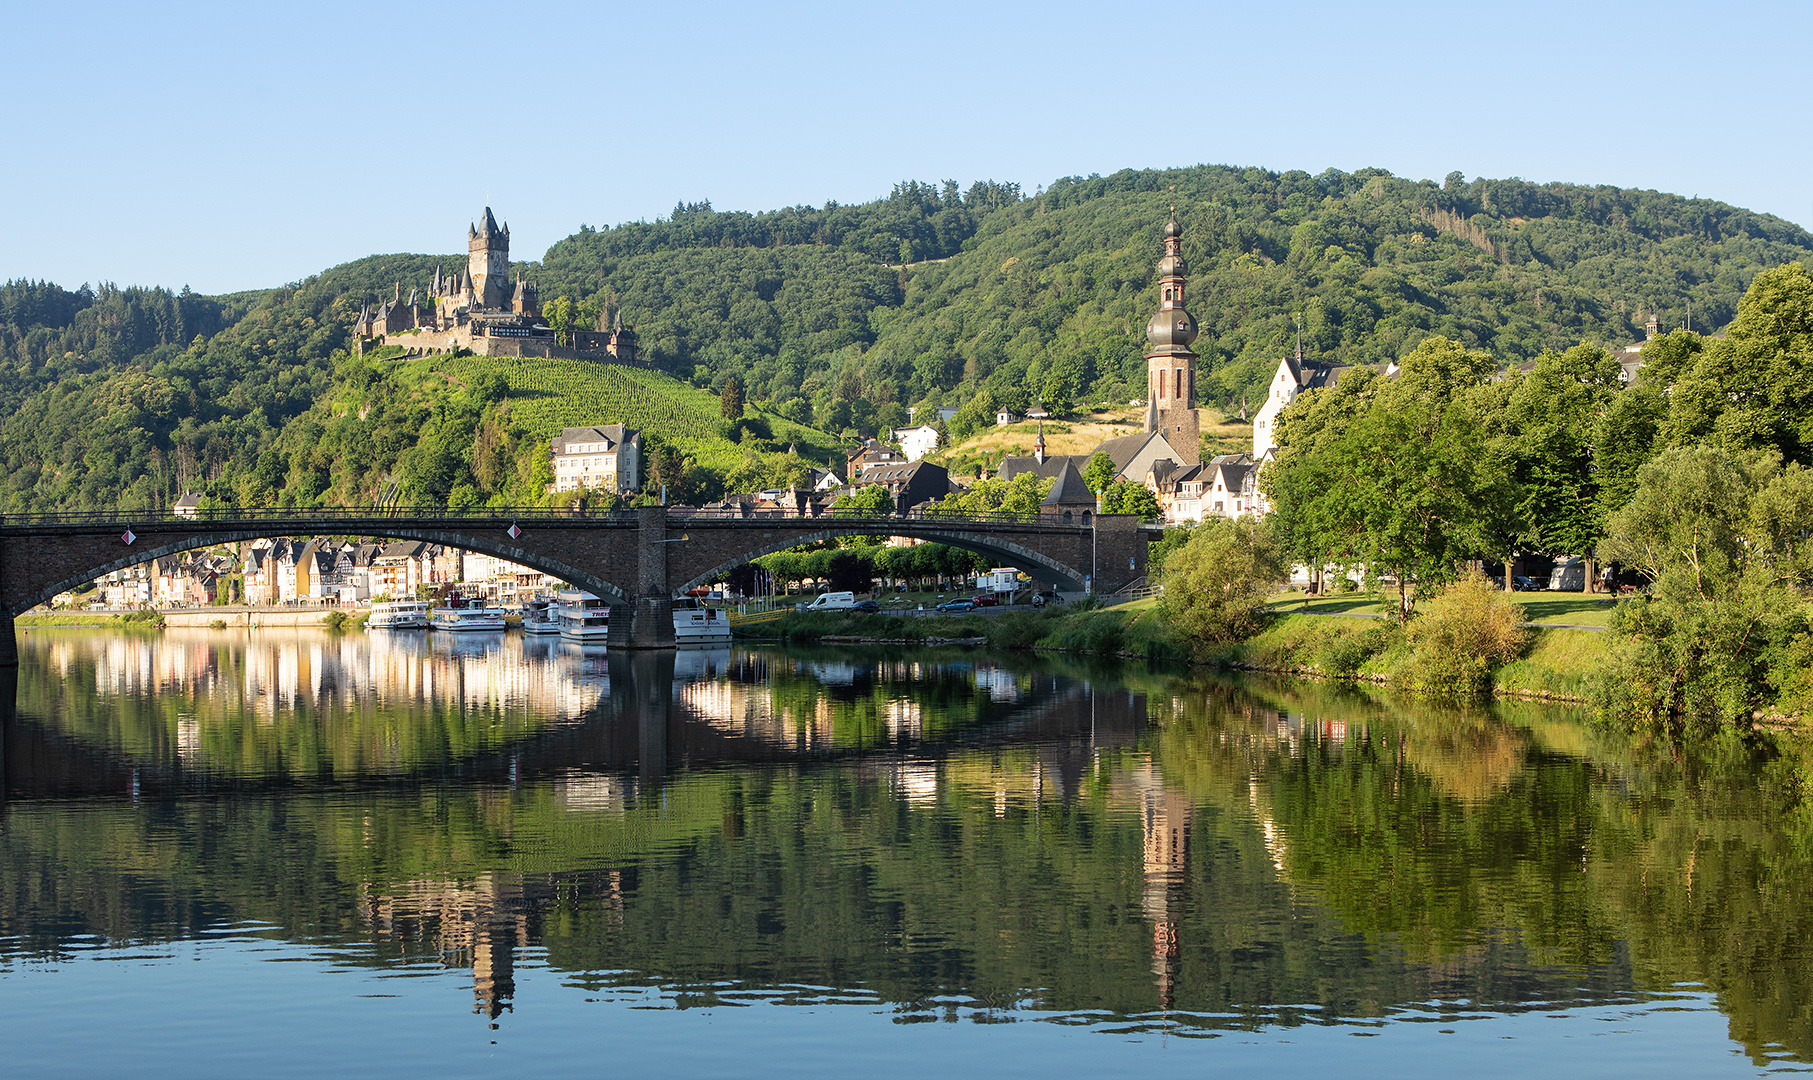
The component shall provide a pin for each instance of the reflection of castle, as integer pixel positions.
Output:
(481, 312)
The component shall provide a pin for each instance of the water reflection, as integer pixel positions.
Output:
(946, 834)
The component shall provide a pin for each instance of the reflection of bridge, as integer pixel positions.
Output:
(638, 559)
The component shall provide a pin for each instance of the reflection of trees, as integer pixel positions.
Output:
(1451, 835)
(1263, 855)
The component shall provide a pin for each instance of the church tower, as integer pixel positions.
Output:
(1170, 365)
(488, 263)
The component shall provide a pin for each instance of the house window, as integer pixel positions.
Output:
(1066, 517)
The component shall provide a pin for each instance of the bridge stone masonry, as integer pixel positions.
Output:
(639, 560)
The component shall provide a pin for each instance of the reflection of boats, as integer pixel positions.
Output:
(699, 626)
(398, 615)
(704, 662)
(584, 618)
(540, 616)
(464, 614)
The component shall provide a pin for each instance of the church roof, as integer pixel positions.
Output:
(1123, 450)
(1069, 489)
(1051, 468)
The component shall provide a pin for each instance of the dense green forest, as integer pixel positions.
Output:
(836, 318)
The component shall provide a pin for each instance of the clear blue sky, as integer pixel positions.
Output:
(245, 145)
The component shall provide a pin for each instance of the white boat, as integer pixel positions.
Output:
(698, 626)
(540, 616)
(398, 615)
(584, 618)
(463, 614)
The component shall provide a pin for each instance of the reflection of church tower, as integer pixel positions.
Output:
(1170, 365)
(488, 263)
(495, 936)
(1165, 819)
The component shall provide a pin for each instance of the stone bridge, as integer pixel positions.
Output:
(638, 559)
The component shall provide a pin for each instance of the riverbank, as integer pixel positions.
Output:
(220, 618)
(1313, 642)
(1556, 664)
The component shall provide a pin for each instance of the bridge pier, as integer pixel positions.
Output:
(9, 642)
(647, 621)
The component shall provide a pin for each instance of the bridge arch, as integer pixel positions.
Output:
(158, 547)
(1006, 552)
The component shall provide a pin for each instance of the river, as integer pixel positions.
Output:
(292, 852)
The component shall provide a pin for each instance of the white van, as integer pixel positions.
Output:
(831, 601)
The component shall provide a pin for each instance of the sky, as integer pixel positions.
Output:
(239, 146)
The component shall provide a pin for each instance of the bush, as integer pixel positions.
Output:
(1217, 584)
(1460, 636)
(334, 620)
(217, 624)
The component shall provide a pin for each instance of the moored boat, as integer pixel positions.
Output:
(398, 615)
(698, 625)
(540, 616)
(584, 618)
(466, 614)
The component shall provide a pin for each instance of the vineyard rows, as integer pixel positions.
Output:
(548, 395)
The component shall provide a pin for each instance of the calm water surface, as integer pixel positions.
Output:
(290, 852)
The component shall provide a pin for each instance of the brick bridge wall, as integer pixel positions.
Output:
(638, 560)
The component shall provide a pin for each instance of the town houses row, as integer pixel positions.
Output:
(312, 572)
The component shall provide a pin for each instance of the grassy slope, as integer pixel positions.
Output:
(1081, 436)
(548, 395)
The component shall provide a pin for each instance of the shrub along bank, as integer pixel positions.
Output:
(1128, 631)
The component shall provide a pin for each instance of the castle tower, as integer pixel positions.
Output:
(1170, 365)
(488, 262)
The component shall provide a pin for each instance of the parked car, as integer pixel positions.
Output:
(1047, 597)
(956, 606)
(1527, 584)
(869, 606)
(984, 600)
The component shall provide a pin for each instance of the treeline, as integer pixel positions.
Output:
(1697, 477)
(1047, 298)
(839, 317)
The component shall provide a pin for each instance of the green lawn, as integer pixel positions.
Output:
(1570, 609)
(1548, 609)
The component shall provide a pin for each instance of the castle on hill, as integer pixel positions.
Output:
(482, 312)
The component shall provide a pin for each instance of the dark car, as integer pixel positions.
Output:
(954, 606)
(984, 600)
(865, 605)
(1041, 599)
(1527, 584)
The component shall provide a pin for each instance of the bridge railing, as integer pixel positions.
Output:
(324, 514)
(333, 515)
(875, 517)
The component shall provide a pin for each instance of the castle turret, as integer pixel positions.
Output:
(1170, 363)
(622, 344)
(488, 262)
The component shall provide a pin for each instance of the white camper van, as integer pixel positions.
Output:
(831, 601)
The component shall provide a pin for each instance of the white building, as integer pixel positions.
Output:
(607, 457)
(917, 442)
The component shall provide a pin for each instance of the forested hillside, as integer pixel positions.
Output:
(837, 317)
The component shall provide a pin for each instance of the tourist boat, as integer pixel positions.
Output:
(540, 616)
(697, 625)
(464, 614)
(398, 615)
(584, 618)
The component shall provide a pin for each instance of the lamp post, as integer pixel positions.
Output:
(1095, 524)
